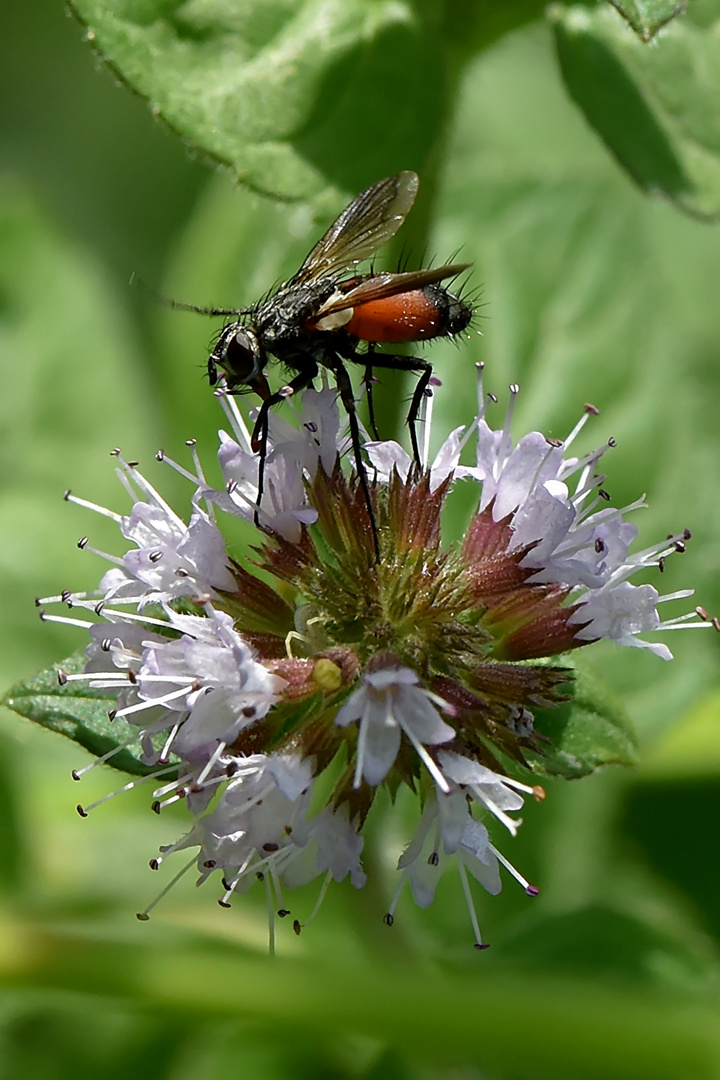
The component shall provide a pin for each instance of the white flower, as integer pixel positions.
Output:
(293, 454)
(390, 457)
(447, 828)
(329, 844)
(489, 789)
(391, 701)
(221, 689)
(252, 825)
(620, 612)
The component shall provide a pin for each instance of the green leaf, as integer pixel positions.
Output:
(690, 749)
(288, 93)
(647, 16)
(590, 731)
(654, 108)
(77, 711)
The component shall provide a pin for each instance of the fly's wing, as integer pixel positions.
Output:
(366, 224)
(380, 286)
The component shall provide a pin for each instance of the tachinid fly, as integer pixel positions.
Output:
(319, 317)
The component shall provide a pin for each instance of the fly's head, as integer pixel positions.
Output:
(237, 357)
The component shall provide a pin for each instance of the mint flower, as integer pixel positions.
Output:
(248, 678)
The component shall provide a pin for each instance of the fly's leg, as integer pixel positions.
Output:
(419, 367)
(258, 442)
(368, 383)
(348, 399)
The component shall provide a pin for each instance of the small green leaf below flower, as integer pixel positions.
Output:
(589, 731)
(78, 712)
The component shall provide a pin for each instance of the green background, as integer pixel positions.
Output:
(543, 147)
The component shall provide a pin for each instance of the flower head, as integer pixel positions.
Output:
(426, 667)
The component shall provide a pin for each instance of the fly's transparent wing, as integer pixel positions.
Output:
(366, 224)
(382, 285)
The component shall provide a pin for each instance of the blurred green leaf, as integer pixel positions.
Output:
(690, 748)
(288, 93)
(74, 388)
(77, 711)
(647, 16)
(590, 731)
(656, 109)
(610, 944)
(58, 1037)
(572, 1029)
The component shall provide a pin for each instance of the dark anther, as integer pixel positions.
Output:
(67, 494)
(155, 556)
(132, 676)
(433, 859)
(388, 919)
(612, 443)
(154, 864)
(604, 495)
(661, 564)
(297, 927)
(283, 913)
(82, 542)
(191, 442)
(481, 946)
(680, 547)
(62, 677)
(106, 644)
(224, 903)
(160, 456)
(592, 409)
(133, 464)
(599, 545)
(270, 847)
(143, 916)
(209, 864)
(112, 713)
(155, 807)
(99, 607)
(702, 613)
(65, 595)
(81, 810)
(75, 774)
(532, 890)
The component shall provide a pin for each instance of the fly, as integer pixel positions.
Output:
(320, 316)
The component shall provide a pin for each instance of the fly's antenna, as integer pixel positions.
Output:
(166, 301)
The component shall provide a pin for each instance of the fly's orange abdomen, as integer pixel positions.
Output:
(409, 316)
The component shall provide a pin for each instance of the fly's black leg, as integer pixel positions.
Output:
(424, 370)
(368, 382)
(348, 399)
(421, 388)
(258, 442)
